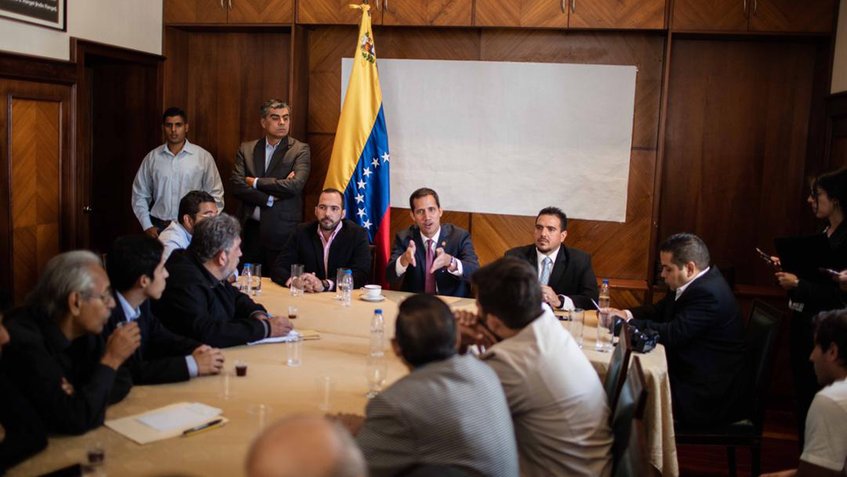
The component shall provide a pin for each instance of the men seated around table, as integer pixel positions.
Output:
(825, 448)
(430, 257)
(700, 325)
(200, 303)
(305, 446)
(136, 268)
(449, 410)
(567, 279)
(325, 245)
(194, 207)
(24, 432)
(558, 405)
(57, 358)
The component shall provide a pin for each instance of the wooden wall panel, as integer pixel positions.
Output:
(261, 11)
(738, 116)
(35, 152)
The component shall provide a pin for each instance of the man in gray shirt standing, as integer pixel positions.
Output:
(169, 172)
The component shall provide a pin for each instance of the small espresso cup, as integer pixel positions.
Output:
(372, 291)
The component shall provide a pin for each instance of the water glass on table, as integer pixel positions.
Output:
(604, 332)
(339, 276)
(256, 282)
(576, 324)
(296, 285)
(293, 351)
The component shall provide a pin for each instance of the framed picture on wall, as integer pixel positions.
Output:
(46, 13)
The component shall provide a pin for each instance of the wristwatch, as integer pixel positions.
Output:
(325, 284)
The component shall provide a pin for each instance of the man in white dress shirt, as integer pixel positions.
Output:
(169, 172)
(194, 207)
(558, 405)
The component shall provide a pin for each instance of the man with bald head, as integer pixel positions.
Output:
(305, 446)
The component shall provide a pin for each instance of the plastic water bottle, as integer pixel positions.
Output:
(246, 278)
(346, 287)
(377, 347)
(605, 300)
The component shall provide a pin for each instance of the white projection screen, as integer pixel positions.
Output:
(509, 138)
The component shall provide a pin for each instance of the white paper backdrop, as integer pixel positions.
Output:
(509, 138)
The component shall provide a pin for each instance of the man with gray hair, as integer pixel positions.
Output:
(700, 325)
(305, 446)
(56, 356)
(268, 177)
(200, 303)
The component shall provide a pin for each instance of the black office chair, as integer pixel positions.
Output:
(630, 406)
(618, 365)
(760, 337)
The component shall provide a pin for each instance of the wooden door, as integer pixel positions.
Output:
(37, 180)
(711, 15)
(812, 16)
(261, 11)
(335, 12)
(195, 11)
(640, 14)
(428, 12)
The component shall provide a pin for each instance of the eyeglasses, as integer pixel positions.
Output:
(105, 297)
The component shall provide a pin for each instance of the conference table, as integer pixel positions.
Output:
(331, 379)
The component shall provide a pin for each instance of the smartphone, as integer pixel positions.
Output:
(766, 257)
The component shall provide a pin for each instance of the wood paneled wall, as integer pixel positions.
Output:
(619, 249)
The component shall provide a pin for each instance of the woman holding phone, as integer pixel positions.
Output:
(810, 295)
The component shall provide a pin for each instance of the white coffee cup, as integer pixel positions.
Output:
(372, 291)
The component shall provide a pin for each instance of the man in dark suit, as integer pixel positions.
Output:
(430, 257)
(200, 302)
(699, 323)
(136, 268)
(567, 279)
(268, 177)
(449, 410)
(325, 245)
(57, 358)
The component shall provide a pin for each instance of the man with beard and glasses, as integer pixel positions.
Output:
(325, 245)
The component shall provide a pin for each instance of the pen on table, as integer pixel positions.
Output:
(202, 427)
(595, 304)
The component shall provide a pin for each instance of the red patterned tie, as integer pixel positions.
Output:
(429, 278)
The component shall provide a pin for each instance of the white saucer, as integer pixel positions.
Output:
(374, 300)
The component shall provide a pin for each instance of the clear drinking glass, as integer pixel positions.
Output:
(604, 332)
(296, 286)
(257, 279)
(293, 352)
(376, 371)
(577, 322)
(339, 275)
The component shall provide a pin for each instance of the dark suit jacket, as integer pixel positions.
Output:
(704, 340)
(276, 222)
(571, 276)
(455, 241)
(25, 433)
(161, 356)
(349, 249)
(40, 358)
(197, 305)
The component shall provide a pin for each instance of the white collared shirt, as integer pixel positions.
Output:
(683, 287)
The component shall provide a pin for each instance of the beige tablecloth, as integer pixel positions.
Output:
(271, 390)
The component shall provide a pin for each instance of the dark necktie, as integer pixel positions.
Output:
(429, 278)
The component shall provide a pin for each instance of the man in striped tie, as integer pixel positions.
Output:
(567, 279)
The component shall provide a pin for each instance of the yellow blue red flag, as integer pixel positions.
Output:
(360, 159)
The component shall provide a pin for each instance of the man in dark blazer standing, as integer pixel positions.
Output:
(136, 268)
(268, 177)
(430, 257)
(699, 323)
(325, 245)
(567, 279)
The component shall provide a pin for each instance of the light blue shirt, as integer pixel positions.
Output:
(174, 237)
(133, 314)
(270, 149)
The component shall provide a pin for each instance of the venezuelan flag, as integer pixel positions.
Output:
(360, 159)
